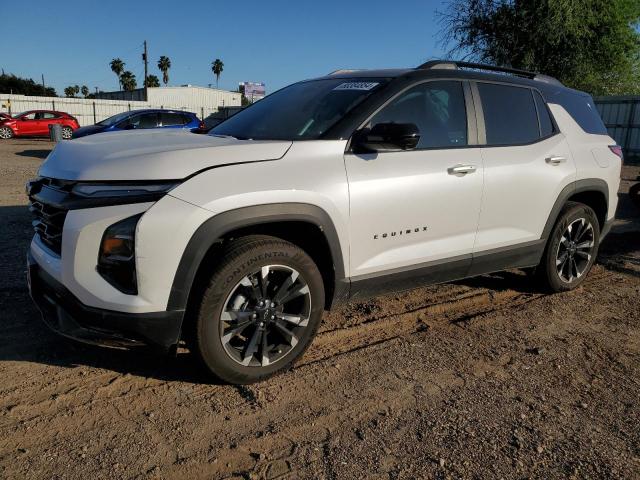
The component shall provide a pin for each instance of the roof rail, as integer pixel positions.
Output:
(454, 65)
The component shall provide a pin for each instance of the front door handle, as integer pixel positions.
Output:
(461, 169)
(555, 160)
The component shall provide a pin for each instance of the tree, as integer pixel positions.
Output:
(85, 91)
(128, 80)
(591, 45)
(152, 81)
(216, 67)
(76, 90)
(117, 67)
(9, 83)
(70, 92)
(164, 64)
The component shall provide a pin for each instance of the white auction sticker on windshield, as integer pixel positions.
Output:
(356, 86)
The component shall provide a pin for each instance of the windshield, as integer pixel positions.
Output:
(107, 122)
(302, 111)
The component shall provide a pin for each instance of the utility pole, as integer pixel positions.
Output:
(145, 58)
(44, 90)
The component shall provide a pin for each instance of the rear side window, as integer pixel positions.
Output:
(510, 115)
(583, 110)
(171, 119)
(546, 124)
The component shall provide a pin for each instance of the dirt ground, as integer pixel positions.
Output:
(484, 378)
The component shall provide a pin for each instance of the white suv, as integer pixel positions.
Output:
(330, 189)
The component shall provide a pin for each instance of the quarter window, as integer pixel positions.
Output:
(171, 119)
(510, 116)
(546, 125)
(436, 108)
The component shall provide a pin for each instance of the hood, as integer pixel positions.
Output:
(88, 130)
(157, 154)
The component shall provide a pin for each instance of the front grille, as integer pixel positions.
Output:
(48, 224)
(46, 196)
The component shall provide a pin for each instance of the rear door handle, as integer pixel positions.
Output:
(555, 160)
(461, 169)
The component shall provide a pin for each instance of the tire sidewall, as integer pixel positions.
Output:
(569, 216)
(209, 341)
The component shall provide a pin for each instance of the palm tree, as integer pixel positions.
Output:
(117, 67)
(216, 67)
(76, 90)
(85, 91)
(164, 64)
(69, 92)
(152, 81)
(128, 80)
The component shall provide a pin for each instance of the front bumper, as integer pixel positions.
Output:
(66, 315)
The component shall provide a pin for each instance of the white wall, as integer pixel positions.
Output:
(201, 101)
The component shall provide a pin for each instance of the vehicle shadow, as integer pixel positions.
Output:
(34, 153)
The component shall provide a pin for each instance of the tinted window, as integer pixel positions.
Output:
(509, 114)
(436, 108)
(170, 119)
(304, 110)
(546, 125)
(146, 120)
(583, 110)
(48, 115)
(29, 116)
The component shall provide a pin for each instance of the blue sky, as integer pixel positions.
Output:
(277, 42)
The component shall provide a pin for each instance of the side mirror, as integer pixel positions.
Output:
(387, 137)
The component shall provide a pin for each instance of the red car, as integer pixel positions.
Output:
(35, 123)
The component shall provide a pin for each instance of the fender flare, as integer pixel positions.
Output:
(213, 229)
(584, 185)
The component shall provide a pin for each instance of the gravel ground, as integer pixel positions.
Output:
(484, 378)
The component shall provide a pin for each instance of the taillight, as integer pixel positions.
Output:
(201, 125)
(617, 149)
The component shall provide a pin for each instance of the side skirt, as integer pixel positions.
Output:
(441, 271)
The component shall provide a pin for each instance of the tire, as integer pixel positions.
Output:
(67, 133)
(571, 250)
(6, 133)
(230, 320)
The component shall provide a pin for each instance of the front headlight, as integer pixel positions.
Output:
(111, 190)
(117, 256)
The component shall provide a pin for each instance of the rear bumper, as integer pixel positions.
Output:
(66, 315)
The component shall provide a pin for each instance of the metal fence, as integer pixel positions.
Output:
(90, 111)
(621, 115)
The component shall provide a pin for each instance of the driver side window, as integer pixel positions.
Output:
(436, 108)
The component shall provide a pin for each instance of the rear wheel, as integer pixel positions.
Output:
(5, 133)
(260, 310)
(571, 249)
(67, 132)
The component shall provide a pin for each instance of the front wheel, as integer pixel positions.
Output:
(260, 311)
(6, 133)
(67, 133)
(571, 249)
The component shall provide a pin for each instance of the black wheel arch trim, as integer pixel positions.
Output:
(579, 186)
(215, 228)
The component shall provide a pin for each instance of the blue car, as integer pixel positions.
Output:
(143, 119)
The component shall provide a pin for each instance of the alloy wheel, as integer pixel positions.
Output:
(575, 250)
(67, 133)
(5, 133)
(264, 316)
